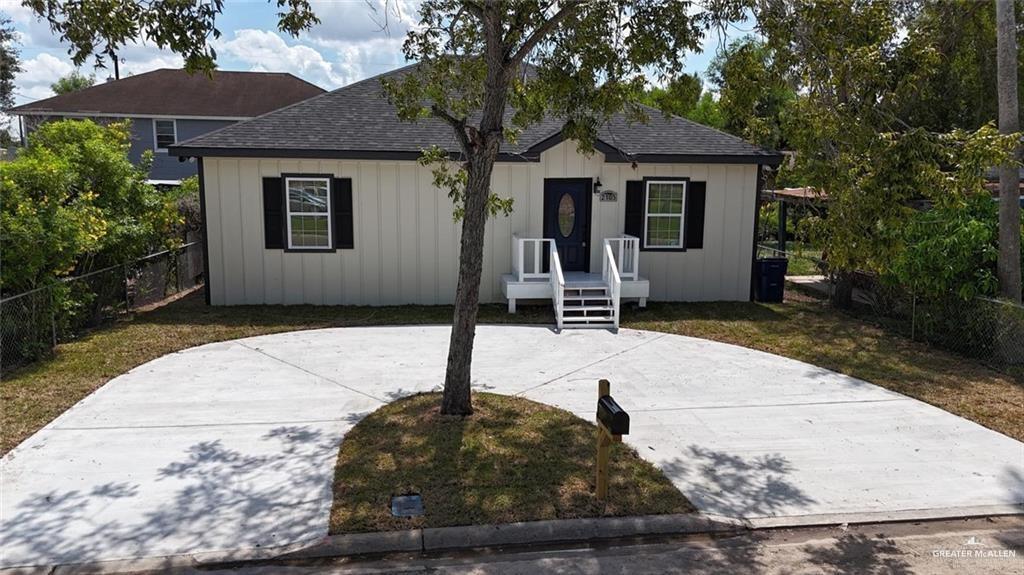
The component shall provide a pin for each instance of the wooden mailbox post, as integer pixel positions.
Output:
(612, 424)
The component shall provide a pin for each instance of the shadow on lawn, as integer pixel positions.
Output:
(214, 498)
(512, 460)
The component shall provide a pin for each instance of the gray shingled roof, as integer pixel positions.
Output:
(356, 121)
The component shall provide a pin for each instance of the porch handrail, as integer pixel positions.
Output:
(628, 251)
(557, 283)
(610, 274)
(520, 269)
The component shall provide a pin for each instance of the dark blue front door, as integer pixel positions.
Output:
(567, 220)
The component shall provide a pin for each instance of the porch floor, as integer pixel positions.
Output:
(540, 288)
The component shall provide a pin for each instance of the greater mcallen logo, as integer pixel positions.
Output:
(974, 549)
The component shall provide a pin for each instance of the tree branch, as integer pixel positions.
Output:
(543, 30)
(459, 126)
(474, 8)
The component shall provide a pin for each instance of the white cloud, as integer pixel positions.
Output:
(355, 21)
(33, 82)
(32, 31)
(266, 51)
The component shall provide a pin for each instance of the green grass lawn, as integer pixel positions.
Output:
(512, 460)
(802, 328)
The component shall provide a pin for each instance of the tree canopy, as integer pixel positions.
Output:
(72, 83)
(868, 125)
(72, 201)
(679, 97)
(752, 95)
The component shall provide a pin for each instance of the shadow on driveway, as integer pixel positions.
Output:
(212, 495)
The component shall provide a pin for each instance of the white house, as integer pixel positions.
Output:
(323, 202)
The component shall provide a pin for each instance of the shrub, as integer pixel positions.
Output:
(73, 202)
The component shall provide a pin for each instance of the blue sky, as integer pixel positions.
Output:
(348, 46)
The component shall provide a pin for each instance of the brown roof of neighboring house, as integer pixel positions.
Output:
(168, 92)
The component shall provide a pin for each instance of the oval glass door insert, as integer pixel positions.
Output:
(566, 215)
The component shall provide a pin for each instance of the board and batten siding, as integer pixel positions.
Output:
(407, 243)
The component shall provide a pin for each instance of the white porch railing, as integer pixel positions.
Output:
(610, 275)
(557, 285)
(626, 252)
(527, 260)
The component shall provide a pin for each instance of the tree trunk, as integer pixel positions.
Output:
(1009, 176)
(456, 397)
(843, 295)
(481, 152)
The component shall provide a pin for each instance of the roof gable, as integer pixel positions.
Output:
(170, 92)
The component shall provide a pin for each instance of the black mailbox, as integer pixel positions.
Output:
(612, 416)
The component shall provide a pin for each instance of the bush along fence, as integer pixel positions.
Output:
(32, 323)
(984, 329)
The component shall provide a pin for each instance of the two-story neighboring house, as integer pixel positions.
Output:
(168, 106)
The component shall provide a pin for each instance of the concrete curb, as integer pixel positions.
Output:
(571, 530)
(551, 532)
(526, 533)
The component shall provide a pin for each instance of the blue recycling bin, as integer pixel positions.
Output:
(771, 279)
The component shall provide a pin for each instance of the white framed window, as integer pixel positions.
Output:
(165, 133)
(309, 213)
(664, 203)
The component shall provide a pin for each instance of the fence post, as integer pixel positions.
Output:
(913, 316)
(176, 259)
(53, 319)
(127, 299)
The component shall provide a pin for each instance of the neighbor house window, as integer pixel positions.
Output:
(309, 209)
(165, 133)
(663, 211)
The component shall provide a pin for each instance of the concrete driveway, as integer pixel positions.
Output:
(231, 446)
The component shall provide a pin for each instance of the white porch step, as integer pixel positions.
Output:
(603, 298)
(587, 306)
(606, 308)
(589, 319)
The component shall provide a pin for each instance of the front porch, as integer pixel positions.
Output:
(580, 299)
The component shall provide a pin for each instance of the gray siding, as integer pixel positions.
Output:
(164, 167)
(406, 243)
(168, 167)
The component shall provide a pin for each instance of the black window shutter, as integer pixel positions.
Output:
(696, 194)
(273, 214)
(341, 203)
(634, 225)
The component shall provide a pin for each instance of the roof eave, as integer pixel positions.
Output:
(102, 114)
(612, 156)
(411, 155)
(760, 159)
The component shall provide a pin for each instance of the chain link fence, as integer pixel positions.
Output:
(987, 330)
(32, 323)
